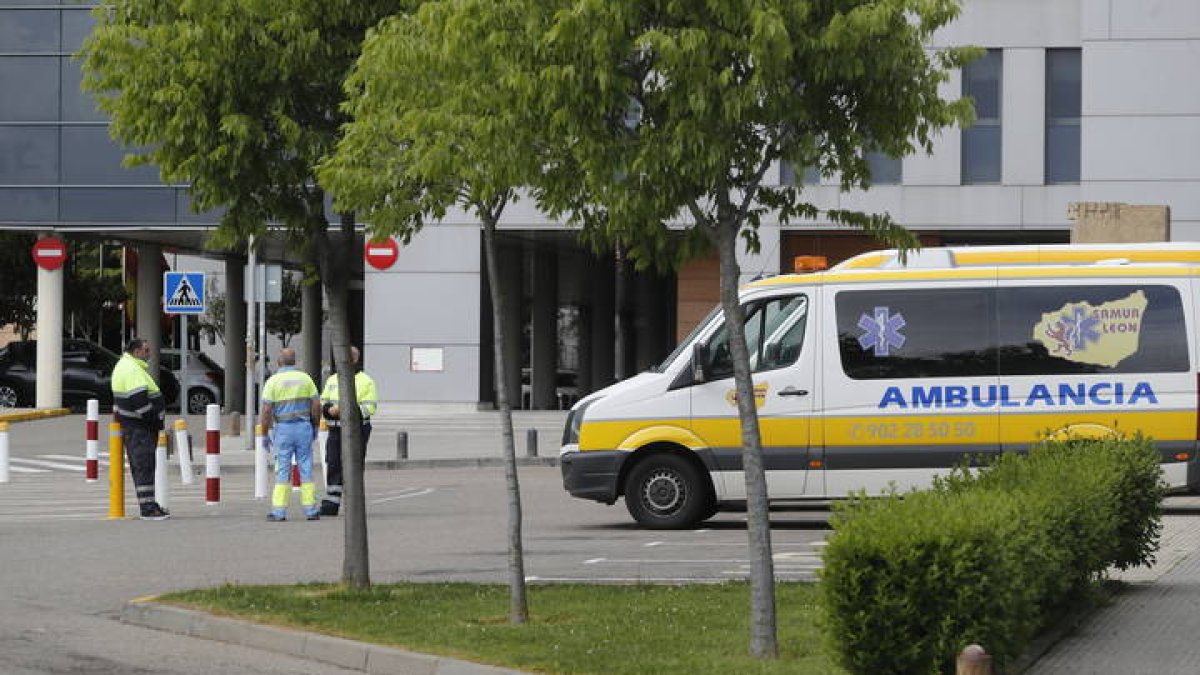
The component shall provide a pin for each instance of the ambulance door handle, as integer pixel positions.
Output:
(792, 391)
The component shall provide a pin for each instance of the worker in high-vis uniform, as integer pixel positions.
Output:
(140, 408)
(291, 409)
(368, 403)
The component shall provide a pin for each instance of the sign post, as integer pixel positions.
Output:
(183, 294)
(49, 253)
(381, 254)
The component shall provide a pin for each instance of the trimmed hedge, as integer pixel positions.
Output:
(985, 557)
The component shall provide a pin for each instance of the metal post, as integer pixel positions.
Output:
(91, 446)
(401, 445)
(212, 457)
(116, 472)
(251, 294)
(531, 442)
(162, 489)
(183, 452)
(3, 452)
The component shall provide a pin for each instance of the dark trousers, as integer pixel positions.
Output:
(333, 462)
(140, 442)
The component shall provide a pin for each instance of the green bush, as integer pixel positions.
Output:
(986, 555)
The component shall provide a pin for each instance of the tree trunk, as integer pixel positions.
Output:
(518, 606)
(336, 262)
(762, 571)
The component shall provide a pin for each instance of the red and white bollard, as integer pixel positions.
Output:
(91, 471)
(295, 475)
(319, 455)
(183, 450)
(162, 490)
(3, 452)
(212, 455)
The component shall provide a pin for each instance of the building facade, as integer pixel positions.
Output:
(1077, 101)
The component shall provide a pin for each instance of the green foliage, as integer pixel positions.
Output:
(985, 558)
(237, 98)
(677, 111)
(18, 278)
(619, 630)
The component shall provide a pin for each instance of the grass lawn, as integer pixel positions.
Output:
(572, 628)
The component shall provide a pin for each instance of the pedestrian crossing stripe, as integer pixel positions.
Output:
(183, 292)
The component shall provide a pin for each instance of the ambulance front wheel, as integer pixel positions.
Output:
(667, 492)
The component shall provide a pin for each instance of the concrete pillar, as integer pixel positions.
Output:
(544, 334)
(235, 333)
(648, 320)
(149, 300)
(623, 331)
(512, 289)
(310, 331)
(49, 338)
(603, 323)
(584, 376)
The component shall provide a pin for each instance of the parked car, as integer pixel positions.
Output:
(86, 373)
(205, 381)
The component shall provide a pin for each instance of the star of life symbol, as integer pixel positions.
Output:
(1074, 330)
(881, 331)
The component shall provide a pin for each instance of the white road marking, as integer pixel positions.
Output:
(103, 462)
(593, 561)
(653, 543)
(418, 493)
(51, 465)
(21, 469)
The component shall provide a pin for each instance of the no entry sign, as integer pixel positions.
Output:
(381, 254)
(49, 253)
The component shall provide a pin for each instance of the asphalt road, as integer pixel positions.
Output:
(67, 569)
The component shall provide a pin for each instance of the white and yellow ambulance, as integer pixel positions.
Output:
(878, 373)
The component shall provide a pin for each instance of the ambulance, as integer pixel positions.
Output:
(882, 372)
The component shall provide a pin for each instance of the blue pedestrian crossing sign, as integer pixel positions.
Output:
(183, 292)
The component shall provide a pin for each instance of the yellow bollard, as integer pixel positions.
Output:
(116, 472)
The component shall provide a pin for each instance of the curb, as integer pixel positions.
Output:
(361, 656)
(35, 414)
(401, 464)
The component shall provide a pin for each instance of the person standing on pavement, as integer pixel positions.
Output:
(364, 388)
(140, 408)
(291, 406)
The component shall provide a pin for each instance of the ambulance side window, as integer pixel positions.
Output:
(774, 336)
(917, 333)
(1061, 330)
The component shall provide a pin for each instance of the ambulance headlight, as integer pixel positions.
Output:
(574, 422)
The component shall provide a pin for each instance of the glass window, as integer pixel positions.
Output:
(28, 155)
(90, 157)
(118, 205)
(885, 170)
(36, 78)
(29, 205)
(1064, 76)
(29, 30)
(916, 333)
(77, 24)
(774, 337)
(77, 106)
(983, 83)
(1091, 329)
(787, 175)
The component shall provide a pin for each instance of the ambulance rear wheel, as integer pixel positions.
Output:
(667, 492)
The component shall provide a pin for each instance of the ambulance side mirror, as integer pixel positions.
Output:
(699, 358)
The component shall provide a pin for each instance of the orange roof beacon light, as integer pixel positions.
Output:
(809, 263)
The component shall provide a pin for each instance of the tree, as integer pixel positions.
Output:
(18, 278)
(283, 317)
(419, 146)
(240, 99)
(680, 109)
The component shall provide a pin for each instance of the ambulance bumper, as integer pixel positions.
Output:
(593, 474)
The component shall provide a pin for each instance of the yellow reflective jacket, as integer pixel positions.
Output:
(136, 397)
(364, 389)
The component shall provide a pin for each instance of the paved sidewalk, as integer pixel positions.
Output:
(1151, 626)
